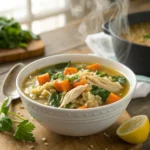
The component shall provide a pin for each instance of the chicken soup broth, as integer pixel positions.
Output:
(139, 33)
(75, 85)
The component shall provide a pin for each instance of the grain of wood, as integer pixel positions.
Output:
(59, 142)
(34, 49)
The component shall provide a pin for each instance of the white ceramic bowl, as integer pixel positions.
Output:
(75, 122)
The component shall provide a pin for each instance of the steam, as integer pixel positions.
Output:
(120, 26)
(117, 10)
(120, 16)
(93, 21)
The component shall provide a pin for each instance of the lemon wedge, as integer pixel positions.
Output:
(135, 130)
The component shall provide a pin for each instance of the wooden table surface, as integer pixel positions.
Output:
(66, 40)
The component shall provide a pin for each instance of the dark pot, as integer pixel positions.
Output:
(136, 56)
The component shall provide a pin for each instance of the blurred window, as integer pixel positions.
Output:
(36, 15)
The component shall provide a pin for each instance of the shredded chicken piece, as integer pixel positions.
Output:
(73, 94)
(90, 83)
(83, 73)
(105, 83)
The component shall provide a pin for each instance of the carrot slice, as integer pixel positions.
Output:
(80, 82)
(112, 98)
(62, 86)
(94, 67)
(43, 78)
(70, 70)
(82, 107)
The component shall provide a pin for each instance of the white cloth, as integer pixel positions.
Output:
(101, 44)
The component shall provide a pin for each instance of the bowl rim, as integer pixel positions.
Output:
(130, 92)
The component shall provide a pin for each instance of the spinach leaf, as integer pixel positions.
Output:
(55, 68)
(101, 74)
(54, 99)
(121, 80)
(61, 66)
(100, 92)
(147, 36)
(69, 64)
(68, 105)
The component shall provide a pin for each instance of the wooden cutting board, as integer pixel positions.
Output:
(35, 48)
(106, 140)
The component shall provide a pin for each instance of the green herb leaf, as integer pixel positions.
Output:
(54, 99)
(121, 80)
(68, 105)
(34, 36)
(4, 108)
(23, 45)
(58, 75)
(147, 36)
(12, 36)
(74, 78)
(55, 68)
(101, 74)
(100, 92)
(5, 123)
(69, 64)
(62, 66)
(24, 131)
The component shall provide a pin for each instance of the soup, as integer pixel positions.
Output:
(139, 33)
(75, 85)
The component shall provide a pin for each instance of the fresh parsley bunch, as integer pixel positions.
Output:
(12, 36)
(24, 129)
